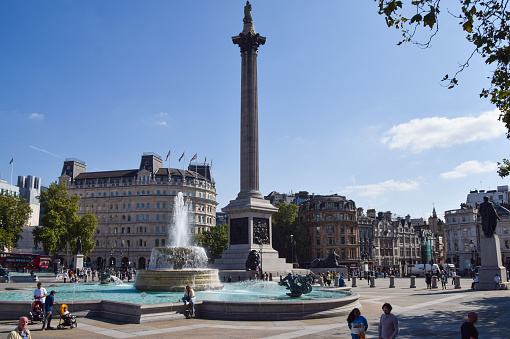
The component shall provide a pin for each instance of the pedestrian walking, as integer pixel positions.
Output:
(357, 324)
(497, 281)
(453, 276)
(444, 280)
(468, 329)
(428, 280)
(48, 305)
(388, 324)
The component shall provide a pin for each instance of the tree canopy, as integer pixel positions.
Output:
(14, 214)
(61, 225)
(486, 25)
(215, 241)
(285, 223)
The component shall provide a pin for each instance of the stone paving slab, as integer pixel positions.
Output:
(422, 313)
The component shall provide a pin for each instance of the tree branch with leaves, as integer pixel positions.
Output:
(485, 23)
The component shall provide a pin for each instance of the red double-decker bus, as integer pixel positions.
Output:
(28, 261)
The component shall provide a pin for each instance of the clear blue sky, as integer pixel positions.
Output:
(342, 109)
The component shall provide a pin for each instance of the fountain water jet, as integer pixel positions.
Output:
(172, 268)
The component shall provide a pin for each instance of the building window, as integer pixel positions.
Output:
(164, 192)
(148, 205)
(143, 205)
(331, 229)
(157, 217)
(164, 205)
(162, 242)
(163, 217)
(129, 229)
(157, 229)
(507, 244)
(318, 241)
(147, 217)
(163, 229)
(317, 217)
(318, 229)
(158, 192)
(156, 242)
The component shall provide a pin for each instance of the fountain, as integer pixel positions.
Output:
(172, 268)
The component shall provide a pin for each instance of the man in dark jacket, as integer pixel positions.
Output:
(48, 305)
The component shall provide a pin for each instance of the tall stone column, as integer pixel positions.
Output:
(249, 41)
(250, 214)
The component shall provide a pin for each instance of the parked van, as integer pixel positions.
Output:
(449, 268)
(422, 269)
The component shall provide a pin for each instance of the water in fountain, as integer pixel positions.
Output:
(172, 268)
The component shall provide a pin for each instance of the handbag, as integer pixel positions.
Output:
(361, 335)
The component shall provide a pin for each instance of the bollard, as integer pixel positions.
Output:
(354, 281)
(434, 281)
(413, 281)
(457, 282)
(372, 282)
(336, 280)
(392, 281)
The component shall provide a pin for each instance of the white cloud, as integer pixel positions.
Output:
(422, 134)
(44, 151)
(375, 190)
(36, 116)
(161, 123)
(163, 114)
(470, 167)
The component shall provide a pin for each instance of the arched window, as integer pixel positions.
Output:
(129, 229)
(115, 230)
(128, 243)
(141, 229)
(123, 218)
(122, 230)
(164, 192)
(129, 218)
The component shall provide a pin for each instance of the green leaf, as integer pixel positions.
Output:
(416, 18)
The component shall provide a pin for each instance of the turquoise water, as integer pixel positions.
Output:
(243, 291)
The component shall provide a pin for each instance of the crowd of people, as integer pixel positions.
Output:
(85, 274)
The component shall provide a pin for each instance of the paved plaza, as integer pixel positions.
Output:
(422, 313)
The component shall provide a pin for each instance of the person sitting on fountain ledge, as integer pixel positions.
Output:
(189, 299)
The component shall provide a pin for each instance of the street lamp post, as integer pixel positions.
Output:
(292, 249)
(111, 256)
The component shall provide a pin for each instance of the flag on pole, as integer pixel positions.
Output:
(167, 155)
(181, 157)
(194, 157)
(12, 160)
(205, 160)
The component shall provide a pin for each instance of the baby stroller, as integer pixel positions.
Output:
(66, 318)
(37, 313)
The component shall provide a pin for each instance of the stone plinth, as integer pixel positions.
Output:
(78, 261)
(491, 263)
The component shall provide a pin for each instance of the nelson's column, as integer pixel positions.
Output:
(250, 214)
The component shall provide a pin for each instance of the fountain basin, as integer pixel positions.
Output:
(177, 280)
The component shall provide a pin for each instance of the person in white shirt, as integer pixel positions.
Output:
(189, 298)
(497, 280)
(40, 294)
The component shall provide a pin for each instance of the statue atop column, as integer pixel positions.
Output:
(247, 13)
(489, 217)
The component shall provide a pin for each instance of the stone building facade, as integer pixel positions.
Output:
(134, 206)
(388, 244)
(463, 231)
(331, 222)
